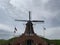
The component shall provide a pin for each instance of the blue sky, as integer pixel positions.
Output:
(47, 10)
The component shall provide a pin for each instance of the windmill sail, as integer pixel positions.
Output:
(29, 25)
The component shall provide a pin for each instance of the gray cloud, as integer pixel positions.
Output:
(5, 34)
(53, 33)
(49, 11)
(53, 5)
(37, 3)
(56, 21)
(39, 10)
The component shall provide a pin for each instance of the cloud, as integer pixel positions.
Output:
(56, 21)
(5, 32)
(53, 5)
(47, 10)
(9, 9)
(4, 27)
(53, 33)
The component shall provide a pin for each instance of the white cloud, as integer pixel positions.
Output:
(4, 27)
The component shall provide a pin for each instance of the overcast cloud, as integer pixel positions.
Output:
(48, 10)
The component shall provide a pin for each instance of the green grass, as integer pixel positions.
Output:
(5, 42)
(56, 42)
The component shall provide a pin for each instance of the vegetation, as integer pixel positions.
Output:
(6, 42)
(3, 42)
(56, 42)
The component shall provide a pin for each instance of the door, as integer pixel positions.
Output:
(29, 42)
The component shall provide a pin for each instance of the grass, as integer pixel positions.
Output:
(56, 42)
(5, 42)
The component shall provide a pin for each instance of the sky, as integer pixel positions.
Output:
(47, 10)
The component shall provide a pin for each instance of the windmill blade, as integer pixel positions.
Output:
(21, 20)
(38, 21)
(29, 15)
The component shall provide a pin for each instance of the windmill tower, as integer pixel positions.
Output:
(29, 25)
(29, 37)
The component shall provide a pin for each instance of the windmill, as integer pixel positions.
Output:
(29, 25)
